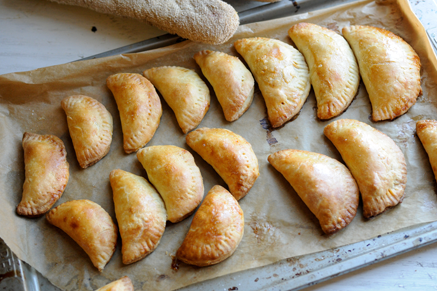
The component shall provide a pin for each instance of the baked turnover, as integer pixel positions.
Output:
(174, 174)
(122, 284)
(185, 93)
(333, 68)
(46, 172)
(215, 232)
(90, 126)
(140, 213)
(90, 226)
(390, 69)
(375, 161)
(139, 106)
(232, 82)
(230, 155)
(427, 132)
(281, 73)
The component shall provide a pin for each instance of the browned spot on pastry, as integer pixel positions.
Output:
(174, 263)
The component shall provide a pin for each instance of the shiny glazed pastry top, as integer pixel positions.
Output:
(375, 161)
(230, 155)
(390, 69)
(46, 172)
(333, 68)
(139, 106)
(324, 184)
(281, 73)
(184, 91)
(90, 226)
(216, 230)
(177, 178)
(90, 127)
(140, 213)
(232, 82)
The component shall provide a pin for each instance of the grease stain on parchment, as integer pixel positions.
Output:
(271, 140)
(264, 231)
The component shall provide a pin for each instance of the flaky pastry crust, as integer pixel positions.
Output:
(90, 226)
(232, 82)
(140, 213)
(46, 172)
(139, 106)
(230, 155)
(324, 184)
(375, 161)
(216, 230)
(390, 69)
(281, 73)
(185, 93)
(333, 68)
(174, 173)
(90, 127)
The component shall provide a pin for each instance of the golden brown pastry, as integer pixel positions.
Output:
(185, 93)
(230, 155)
(375, 161)
(174, 174)
(90, 226)
(46, 171)
(232, 82)
(324, 184)
(140, 212)
(122, 284)
(390, 69)
(215, 232)
(139, 106)
(281, 73)
(90, 126)
(427, 132)
(333, 68)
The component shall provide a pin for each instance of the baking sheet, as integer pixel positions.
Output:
(278, 224)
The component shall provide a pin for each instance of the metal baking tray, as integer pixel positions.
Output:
(289, 274)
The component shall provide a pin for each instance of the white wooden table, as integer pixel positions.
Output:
(38, 33)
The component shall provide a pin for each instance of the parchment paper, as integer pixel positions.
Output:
(277, 223)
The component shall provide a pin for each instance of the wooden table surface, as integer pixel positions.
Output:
(38, 33)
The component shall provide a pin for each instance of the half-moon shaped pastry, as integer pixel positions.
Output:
(375, 161)
(46, 171)
(139, 106)
(232, 82)
(390, 69)
(90, 126)
(185, 93)
(90, 226)
(324, 184)
(230, 155)
(140, 213)
(333, 68)
(281, 73)
(427, 132)
(122, 284)
(174, 174)
(215, 232)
